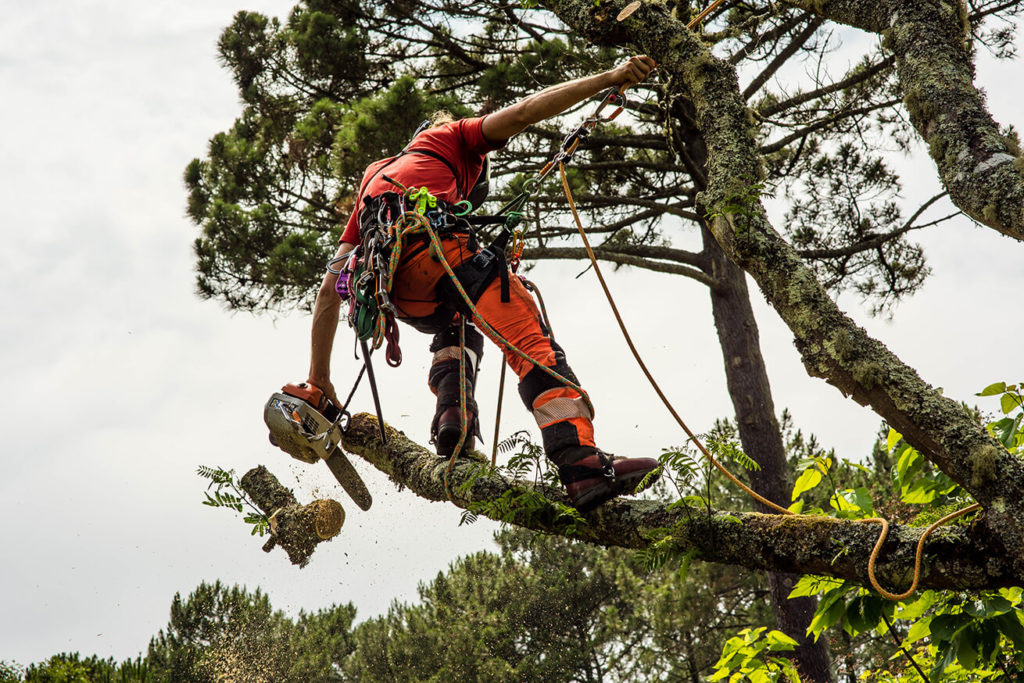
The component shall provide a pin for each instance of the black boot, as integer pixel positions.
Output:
(592, 477)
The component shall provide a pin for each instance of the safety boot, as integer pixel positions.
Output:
(593, 477)
(448, 429)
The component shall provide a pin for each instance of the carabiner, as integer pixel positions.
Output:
(613, 97)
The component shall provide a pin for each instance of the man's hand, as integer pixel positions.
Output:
(632, 71)
(325, 385)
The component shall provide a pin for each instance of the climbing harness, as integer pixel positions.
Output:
(395, 219)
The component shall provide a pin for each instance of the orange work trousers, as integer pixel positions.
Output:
(561, 413)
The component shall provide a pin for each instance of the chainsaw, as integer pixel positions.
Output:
(306, 425)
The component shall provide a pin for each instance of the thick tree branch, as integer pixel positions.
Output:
(982, 169)
(831, 345)
(956, 557)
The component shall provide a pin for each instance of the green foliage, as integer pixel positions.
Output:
(340, 83)
(970, 636)
(228, 494)
(1009, 430)
(747, 657)
(916, 480)
(10, 672)
(73, 668)
(851, 198)
(549, 609)
(521, 504)
(219, 632)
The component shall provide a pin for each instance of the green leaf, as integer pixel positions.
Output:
(1009, 431)
(872, 609)
(777, 640)
(826, 615)
(892, 439)
(1008, 403)
(807, 481)
(935, 675)
(920, 629)
(1010, 626)
(945, 625)
(908, 461)
(855, 622)
(987, 607)
(993, 389)
(917, 607)
(809, 584)
(967, 650)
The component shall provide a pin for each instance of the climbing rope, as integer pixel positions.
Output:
(414, 222)
(566, 152)
(873, 559)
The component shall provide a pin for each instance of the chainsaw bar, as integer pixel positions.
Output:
(306, 434)
(349, 479)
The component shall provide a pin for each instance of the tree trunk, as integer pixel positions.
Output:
(751, 395)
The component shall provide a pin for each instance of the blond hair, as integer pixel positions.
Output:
(441, 117)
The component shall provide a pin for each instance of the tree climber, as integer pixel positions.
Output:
(450, 159)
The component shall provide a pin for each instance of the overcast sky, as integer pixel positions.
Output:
(118, 381)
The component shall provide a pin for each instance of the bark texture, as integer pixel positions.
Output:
(751, 395)
(831, 345)
(957, 557)
(299, 529)
(982, 169)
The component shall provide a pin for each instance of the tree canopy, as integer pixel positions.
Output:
(724, 124)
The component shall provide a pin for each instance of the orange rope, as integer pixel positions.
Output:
(872, 560)
(917, 554)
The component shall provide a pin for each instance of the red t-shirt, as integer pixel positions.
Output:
(461, 142)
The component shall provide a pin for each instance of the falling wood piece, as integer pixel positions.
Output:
(296, 528)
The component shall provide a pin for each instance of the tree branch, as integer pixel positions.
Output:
(858, 75)
(615, 255)
(879, 240)
(982, 169)
(957, 557)
(784, 55)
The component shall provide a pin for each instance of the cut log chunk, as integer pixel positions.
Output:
(296, 528)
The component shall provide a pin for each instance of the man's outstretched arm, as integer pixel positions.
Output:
(513, 119)
(326, 313)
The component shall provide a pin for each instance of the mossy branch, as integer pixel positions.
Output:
(956, 557)
(980, 165)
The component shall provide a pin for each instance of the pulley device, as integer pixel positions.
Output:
(306, 425)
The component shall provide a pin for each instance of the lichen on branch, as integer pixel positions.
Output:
(956, 557)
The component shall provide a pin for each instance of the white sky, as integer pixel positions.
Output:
(119, 382)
